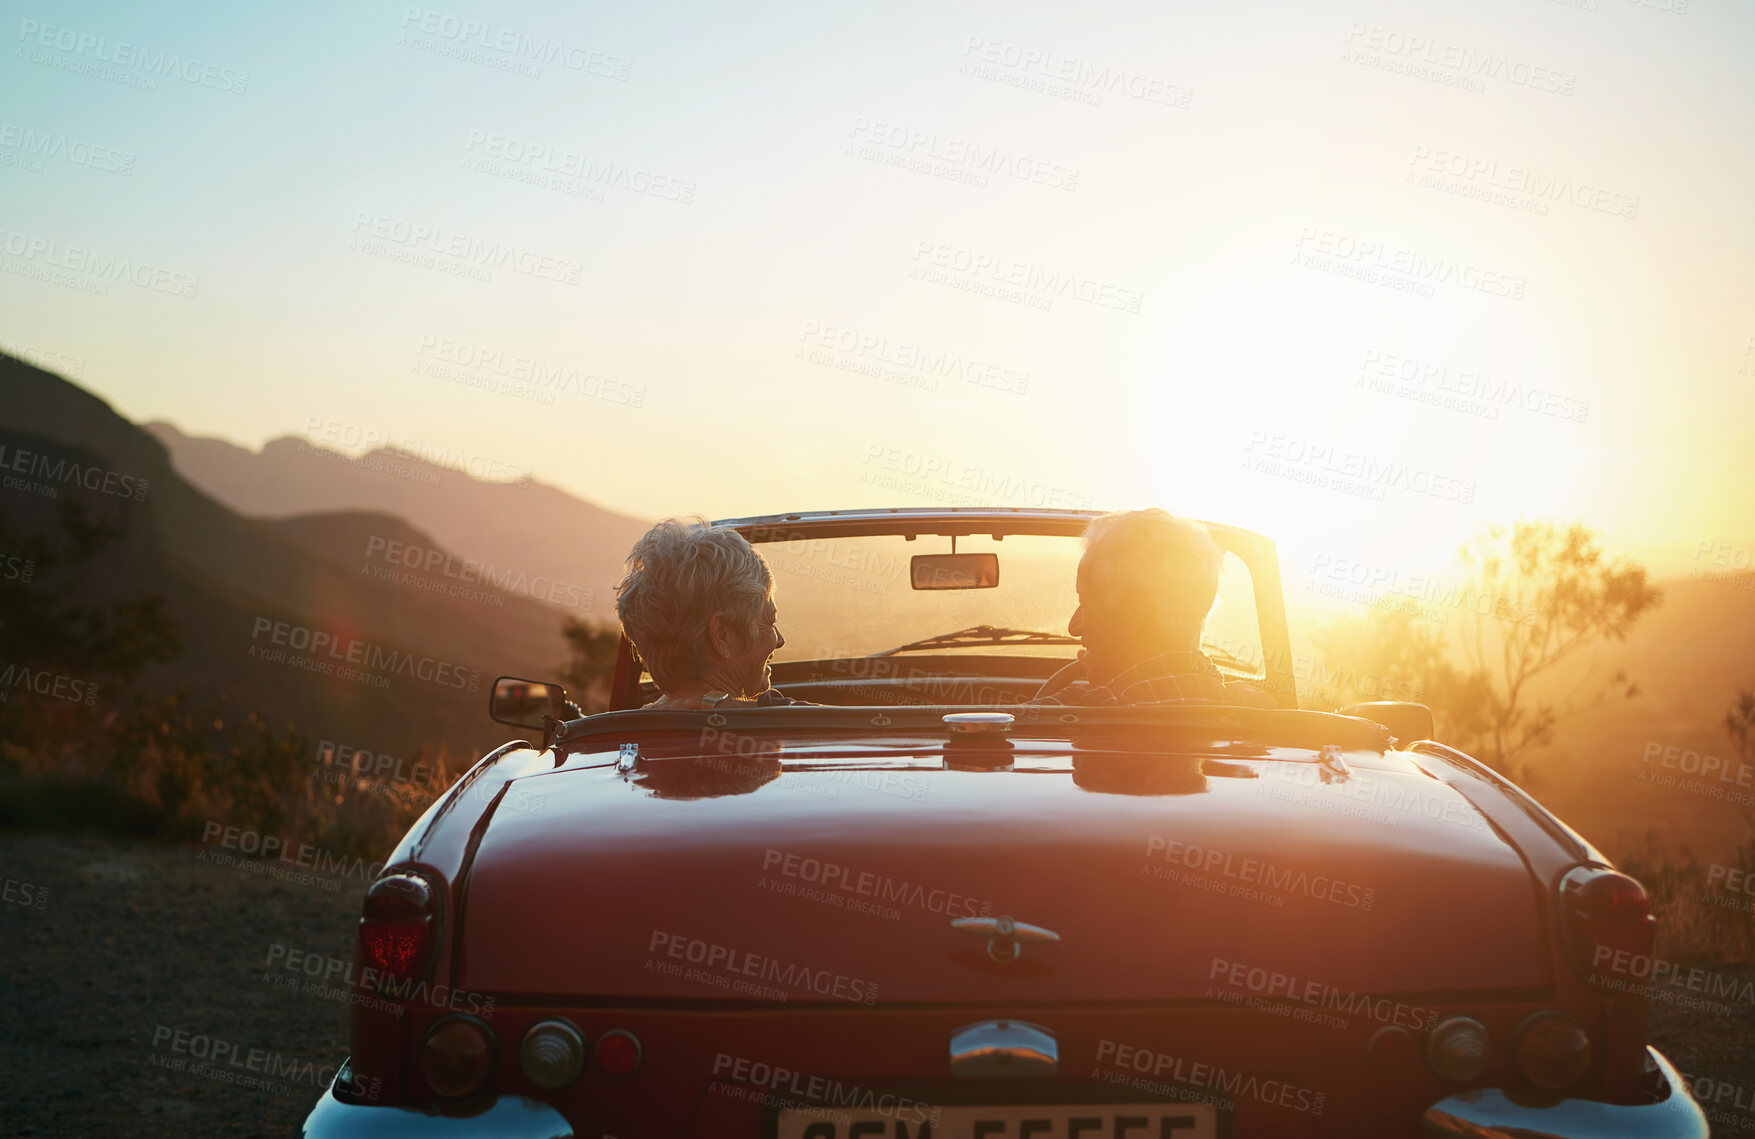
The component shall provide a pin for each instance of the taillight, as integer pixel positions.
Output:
(618, 1052)
(396, 931)
(1551, 1050)
(1607, 926)
(457, 1056)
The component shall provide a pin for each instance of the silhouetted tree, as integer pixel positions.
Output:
(1400, 654)
(1533, 598)
(1552, 592)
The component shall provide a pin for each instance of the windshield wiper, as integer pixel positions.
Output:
(982, 634)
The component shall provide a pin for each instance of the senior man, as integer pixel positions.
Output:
(698, 604)
(1146, 583)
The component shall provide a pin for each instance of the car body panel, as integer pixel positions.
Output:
(858, 867)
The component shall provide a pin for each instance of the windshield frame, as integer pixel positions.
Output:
(1255, 550)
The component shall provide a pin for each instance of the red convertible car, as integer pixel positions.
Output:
(921, 907)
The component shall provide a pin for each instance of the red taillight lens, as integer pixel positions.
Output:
(1551, 1050)
(393, 947)
(1607, 927)
(458, 1055)
(618, 1053)
(396, 929)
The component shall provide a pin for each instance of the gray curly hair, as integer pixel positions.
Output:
(1166, 567)
(680, 573)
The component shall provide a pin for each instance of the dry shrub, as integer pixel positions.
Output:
(1698, 921)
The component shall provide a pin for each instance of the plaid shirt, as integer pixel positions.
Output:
(1168, 678)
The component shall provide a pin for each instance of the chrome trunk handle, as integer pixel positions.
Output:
(1004, 1049)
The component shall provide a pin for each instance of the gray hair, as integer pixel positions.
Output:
(1167, 568)
(680, 573)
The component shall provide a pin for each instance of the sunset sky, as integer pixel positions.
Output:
(742, 259)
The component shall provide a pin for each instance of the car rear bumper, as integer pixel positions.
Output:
(505, 1117)
(1485, 1113)
(1488, 1113)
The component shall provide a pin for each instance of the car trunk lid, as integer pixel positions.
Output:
(844, 880)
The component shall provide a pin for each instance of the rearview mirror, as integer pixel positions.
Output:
(954, 571)
(523, 703)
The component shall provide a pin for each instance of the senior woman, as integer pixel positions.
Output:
(698, 603)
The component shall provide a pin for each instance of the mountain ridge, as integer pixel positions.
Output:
(526, 528)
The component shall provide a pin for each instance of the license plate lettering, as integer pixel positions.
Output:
(1027, 1121)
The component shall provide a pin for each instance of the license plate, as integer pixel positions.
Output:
(1028, 1121)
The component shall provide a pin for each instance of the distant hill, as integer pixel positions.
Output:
(259, 602)
(526, 529)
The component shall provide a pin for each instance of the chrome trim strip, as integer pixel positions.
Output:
(1487, 1113)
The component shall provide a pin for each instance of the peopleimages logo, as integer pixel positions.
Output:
(376, 233)
(1180, 1072)
(1410, 263)
(326, 970)
(524, 50)
(725, 967)
(34, 145)
(809, 1089)
(465, 572)
(97, 266)
(301, 854)
(869, 884)
(1255, 871)
(15, 677)
(1272, 985)
(1694, 764)
(69, 472)
(126, 58)
(1658, 977)
(352, 651)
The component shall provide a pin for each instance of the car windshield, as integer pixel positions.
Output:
(854, 596)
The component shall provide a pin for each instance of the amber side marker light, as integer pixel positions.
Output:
(1551, 1050)
(396, 930)
(458, 1055)
(618, 1053)
(1608, 927)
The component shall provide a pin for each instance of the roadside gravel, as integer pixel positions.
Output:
(123, 946)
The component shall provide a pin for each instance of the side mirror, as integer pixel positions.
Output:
(1407, 722)
(524, 703)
